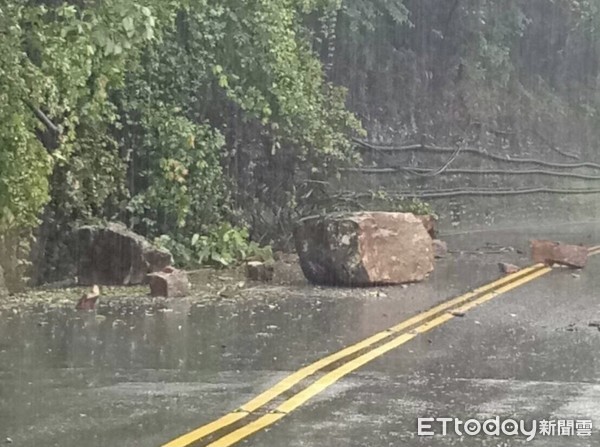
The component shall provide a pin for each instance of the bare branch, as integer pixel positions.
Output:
(422, 147)
(421, 171)
(43, 118)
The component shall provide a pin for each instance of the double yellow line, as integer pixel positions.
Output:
(351, 358)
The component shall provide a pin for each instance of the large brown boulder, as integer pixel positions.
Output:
(362, 249)
(549, 252)
(115, 255)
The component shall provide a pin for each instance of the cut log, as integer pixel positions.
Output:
(364, 249)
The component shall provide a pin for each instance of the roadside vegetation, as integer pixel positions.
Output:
(211, 126)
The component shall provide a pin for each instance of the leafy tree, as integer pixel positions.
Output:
(163, 114)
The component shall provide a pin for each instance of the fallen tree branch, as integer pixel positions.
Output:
(442, 169)
(420, 171)
(553, 147)
(433, 194)
(40, 115)
(423, 147)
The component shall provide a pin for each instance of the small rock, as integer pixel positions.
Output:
(571, 327)
(227, 291)
(595, 324)
(457, 313)
(575, 275)
(172, 284)
(507, 268)
(88, 300)
(8, 440)
(429, 222)
(440, 249)
(259, 271)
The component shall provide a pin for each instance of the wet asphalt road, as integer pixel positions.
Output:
(140, 378)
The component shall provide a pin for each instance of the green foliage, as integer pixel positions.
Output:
(403, 205)
(367, 14)
(273, 75)
(379, 200)
(135, 110)
(59, 61)
(230, 81)
(179, 175)
(223, 246)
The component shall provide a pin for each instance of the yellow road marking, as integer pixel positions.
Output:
(295, 378)
(501, 285)
(205, 430)
(519, 282)
(330, 378)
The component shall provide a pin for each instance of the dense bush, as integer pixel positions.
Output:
(162, 114)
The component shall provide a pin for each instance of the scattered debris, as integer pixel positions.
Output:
(549, 252)
(595, 324)
(88, 300)
(229, 290)
(440, 249)
(457, 313)
(259, 271)
(507, 268)
(576, 275)
(170, 283)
